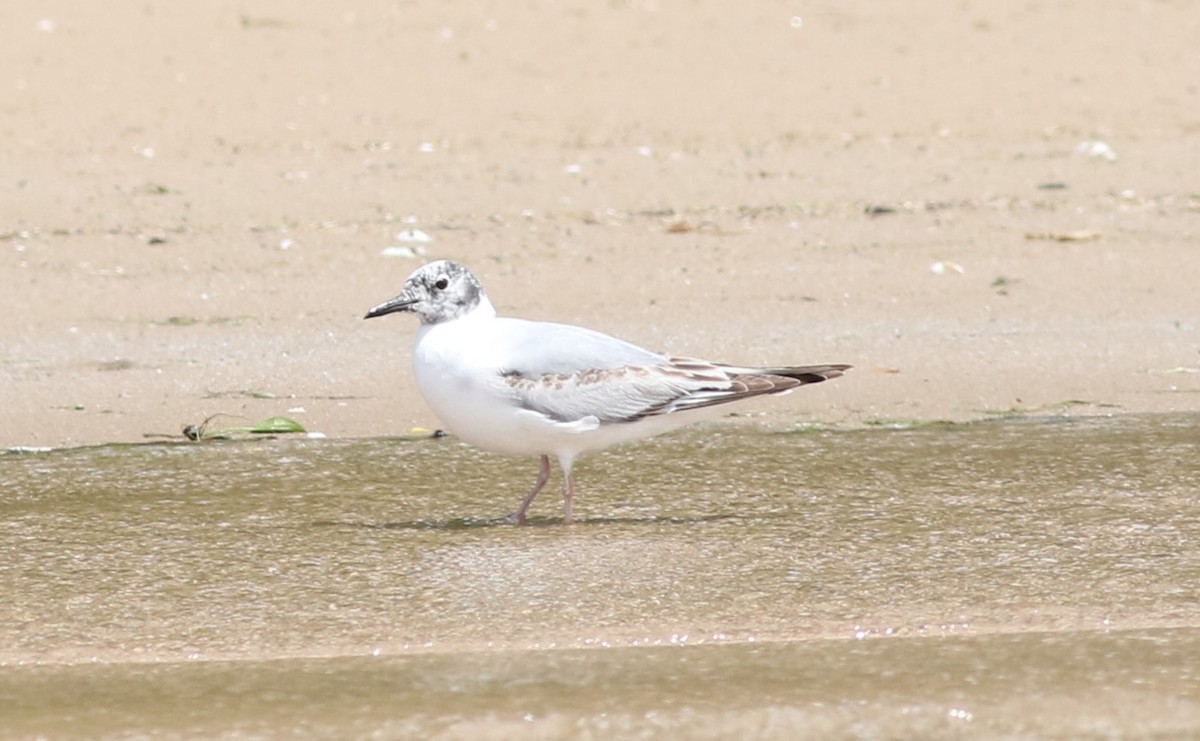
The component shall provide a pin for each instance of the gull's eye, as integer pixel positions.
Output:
(441, 283)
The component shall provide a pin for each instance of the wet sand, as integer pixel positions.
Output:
(1029, 577)
(196, 202)
(1042, 685)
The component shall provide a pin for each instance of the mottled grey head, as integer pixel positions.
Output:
(437, 292)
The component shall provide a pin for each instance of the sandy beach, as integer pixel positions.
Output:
(990, 209)
(985, 208)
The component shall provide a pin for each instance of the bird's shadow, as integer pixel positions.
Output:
(475, 523)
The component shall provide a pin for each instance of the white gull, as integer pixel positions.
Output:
(537, 388)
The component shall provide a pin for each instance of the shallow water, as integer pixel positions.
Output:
(1014, 577)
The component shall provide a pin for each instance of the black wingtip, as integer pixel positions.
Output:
(812, 373)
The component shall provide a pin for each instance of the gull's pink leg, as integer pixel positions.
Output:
(543, 477)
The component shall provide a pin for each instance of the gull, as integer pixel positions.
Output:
(521, 387)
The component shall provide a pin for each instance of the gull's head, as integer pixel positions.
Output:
(437, 292)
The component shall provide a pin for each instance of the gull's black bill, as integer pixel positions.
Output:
(400, 303)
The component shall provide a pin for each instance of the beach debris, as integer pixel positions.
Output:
(25, 449)
(275, 426)
(1077, 235)
(1096, 149)
(412, 243)
(1002, 283)
(412, 235)
(269, 426)
(942, 267)
(424, 433)
(401, 251)
(250, 22)
(878, 209)
(705, 227)
(241, 393)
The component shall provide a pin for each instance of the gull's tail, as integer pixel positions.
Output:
(802, 373)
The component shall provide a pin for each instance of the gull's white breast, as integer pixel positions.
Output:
(459, 367)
